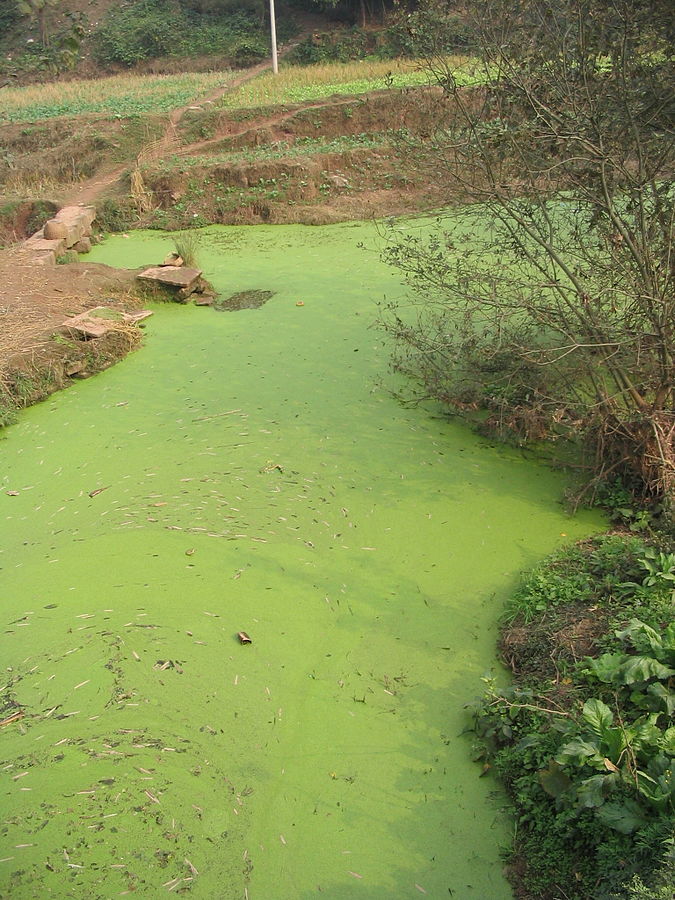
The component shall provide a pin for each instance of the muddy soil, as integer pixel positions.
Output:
(35, 358)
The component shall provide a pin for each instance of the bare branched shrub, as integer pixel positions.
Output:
(549, 298)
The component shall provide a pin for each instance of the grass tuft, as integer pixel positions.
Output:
(187, 246)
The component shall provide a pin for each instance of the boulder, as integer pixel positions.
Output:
(39, 244)
(72, 223)
(54, 230)
(83, 245)
(338, 181)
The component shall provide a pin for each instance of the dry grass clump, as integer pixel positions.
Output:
(19, 330)
(142, 197)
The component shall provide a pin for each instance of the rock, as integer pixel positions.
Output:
(44, 258)
(55, 231)
(94, 323)
(83, 245)
(173, 259)
(185, 281)
(338, 181)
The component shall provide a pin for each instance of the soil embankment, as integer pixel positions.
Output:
(35, 357)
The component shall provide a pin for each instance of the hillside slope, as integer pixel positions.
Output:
(88, 38)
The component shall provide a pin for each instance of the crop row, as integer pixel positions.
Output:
(118, 96)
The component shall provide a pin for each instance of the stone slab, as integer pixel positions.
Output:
(83, 216)
(183, 278)
(39, 244)
(96, 322)
(44, 258)
(71, 224)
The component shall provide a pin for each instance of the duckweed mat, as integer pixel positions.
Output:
(247, 473)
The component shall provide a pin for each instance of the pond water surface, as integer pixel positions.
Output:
(243, 471)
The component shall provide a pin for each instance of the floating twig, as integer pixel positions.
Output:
(97, 491)
(19, 714)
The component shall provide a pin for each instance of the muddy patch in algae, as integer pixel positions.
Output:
(256, 480)
(242, 300)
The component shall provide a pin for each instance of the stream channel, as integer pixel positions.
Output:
(244, 471)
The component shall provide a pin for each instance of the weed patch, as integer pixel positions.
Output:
(297, 84)
(583, 738)
(187, 247)
(114, 97)
(133, 32)
(242, 300)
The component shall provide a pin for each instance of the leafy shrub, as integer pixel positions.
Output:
(112, 216)
(661, 889)
(589, 758)
(145, 29)
(346, 44)
(9, 16)
(622, 502)
(250, 48)
(411, 36)
(333, 46)
(131, 33)
(597, 570)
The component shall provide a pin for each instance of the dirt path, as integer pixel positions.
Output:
(89, 191)
(269, 122)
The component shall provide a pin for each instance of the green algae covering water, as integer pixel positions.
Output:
(242, 472)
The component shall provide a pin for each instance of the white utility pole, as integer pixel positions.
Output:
(273, 29)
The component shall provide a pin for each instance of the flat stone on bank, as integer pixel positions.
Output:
(94, 323)
(183, 278)
(41, 244)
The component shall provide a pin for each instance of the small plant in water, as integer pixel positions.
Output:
(187, 245)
